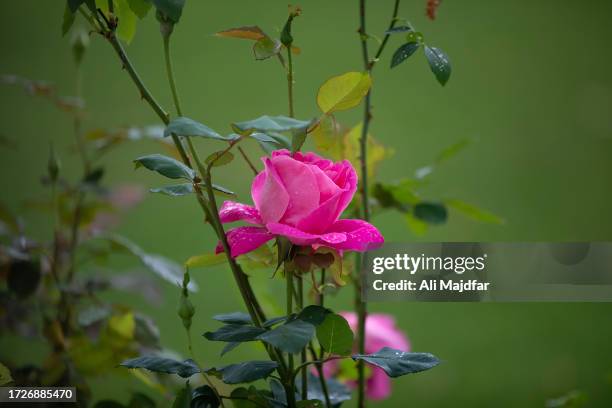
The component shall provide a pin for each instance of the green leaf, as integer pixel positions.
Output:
(235, 333)
(397, 363)
(206, 260)
(5, 375)
(204, 397)
(73, 5)
(127, 20)
(335, 335)
(398, 30)
(161, 266)
(439, 64)
(244, 372)
(233, 318)
(68, 20)
(265, 48)
(166, 166)
(251, 398)
(431, 213)
(313, 314)
(297, 140)
(173, 9)
(290, 337)
(165, 365)
(267, 124)
(443, 156)
(229, 347)
(474, 212)
(183, 397)
(274, 321)
(343, 91)
(220, 158)
(140, 7)
(178, 190)
(403, 53)
(187, 127)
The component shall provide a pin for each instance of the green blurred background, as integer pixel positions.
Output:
(531, 81)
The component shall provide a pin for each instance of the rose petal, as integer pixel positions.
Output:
(299, 237)
(269, 194)
(232, 211)
(245, 239)
(301, 186)
(378, 386)
(360, 235)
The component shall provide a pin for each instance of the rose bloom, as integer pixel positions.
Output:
(381, 331)
(300, 197)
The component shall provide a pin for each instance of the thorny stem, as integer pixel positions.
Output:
(246, 290)
(365, 204)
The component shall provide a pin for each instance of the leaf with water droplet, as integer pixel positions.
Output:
(403, 53)
(439, 64)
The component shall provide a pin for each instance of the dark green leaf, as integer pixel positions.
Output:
(220, 158)
(313, 314)
(403, 52)
(171, 8)
(235, 333)
(166, 166)
(140, 7)
(165, 365)
(399, 29)
(233, 318)
(267, 124)
(73, 5)
(229, 347)
(291, 337)
(397, 363)
(183, 397)
(265, 48)
(273, 321)
(247, 371)
(204, 397)
(431, 213)
(439, 64)
(251, 398)
(68, 19)
(335, 335)
(187, 127)
(273, 141)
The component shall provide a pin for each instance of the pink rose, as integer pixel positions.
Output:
(381, 331)
(300, 197)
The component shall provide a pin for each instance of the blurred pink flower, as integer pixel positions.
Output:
(300, 197)
(381, 331)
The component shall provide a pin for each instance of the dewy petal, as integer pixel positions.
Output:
(232, 211)
(301, 186)
(269, 194)
(360, 235)
(245, 239)
(299, 237)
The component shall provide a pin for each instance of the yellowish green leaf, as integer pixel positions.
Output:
(417, 226)
(205, 260)
(377, 152)
(474, 212)
(5, 375)
(247, 33)
(343, 91)
(127, 19)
